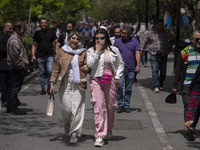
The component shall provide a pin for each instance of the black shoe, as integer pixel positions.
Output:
(120, 109)
(191, 133)
(22, 104)
(48, 91)
(127, 110)
(43, 92)
(3, 104)
(135, 80)
(15, 111)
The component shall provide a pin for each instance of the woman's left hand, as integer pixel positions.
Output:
(84, 68)
(117, 81)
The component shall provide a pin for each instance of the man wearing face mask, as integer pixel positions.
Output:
(4, 69)
(186, 66)
(117, 34)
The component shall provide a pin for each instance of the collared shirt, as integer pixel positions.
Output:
(158, 41)
(127, 50)
(112, 40)
(17, 55)
(193, 106)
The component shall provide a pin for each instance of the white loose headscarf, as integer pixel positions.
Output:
(74, 62)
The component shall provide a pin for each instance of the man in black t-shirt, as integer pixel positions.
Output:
(43, 41)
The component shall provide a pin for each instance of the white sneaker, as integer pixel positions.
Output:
(109, 135)
(99, 142)
(73, 139)
(156, 90)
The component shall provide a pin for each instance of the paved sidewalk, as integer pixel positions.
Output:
(151, 125)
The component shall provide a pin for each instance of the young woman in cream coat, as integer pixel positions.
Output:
(70, 70)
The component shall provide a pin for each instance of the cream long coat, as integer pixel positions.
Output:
(61, 64)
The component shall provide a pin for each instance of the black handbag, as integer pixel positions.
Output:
(171, 98)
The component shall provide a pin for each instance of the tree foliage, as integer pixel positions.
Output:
(14, 10)
(120, 10)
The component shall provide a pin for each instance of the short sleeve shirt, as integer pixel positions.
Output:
(45, 41)
(127, 50)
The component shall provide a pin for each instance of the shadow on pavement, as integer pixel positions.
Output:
(37, 124)
(148, 83)
(190, 143)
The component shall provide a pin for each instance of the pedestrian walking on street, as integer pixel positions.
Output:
(186, 66)
(107, 67)
(158, 40)
(18, 62)
(130, 51)
(70, 70)
(193, 111)
(117, 34)
(43, 41)
(63, 38)
(4, 69)
(142, 33)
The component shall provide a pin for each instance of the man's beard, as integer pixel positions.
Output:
(118, 36)
(68, 31)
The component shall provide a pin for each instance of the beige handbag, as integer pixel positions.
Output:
(50, 105)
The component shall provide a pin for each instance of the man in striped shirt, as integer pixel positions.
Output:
(186, 66)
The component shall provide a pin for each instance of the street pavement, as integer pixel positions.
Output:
(151, 125)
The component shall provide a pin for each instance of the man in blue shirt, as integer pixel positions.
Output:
(130, 50)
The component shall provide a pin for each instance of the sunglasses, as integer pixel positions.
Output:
(197, 39)
(100, 38)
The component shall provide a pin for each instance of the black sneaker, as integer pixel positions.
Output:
(191, 133)
(127, 110)
(3, 104)
(15, 111)
(22, 104)
(120, 109)
(43, 92)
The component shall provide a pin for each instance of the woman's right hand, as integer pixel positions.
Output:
(99, 45)
(174, 90)
(51, 91)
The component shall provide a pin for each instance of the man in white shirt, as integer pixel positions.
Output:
(117, 34)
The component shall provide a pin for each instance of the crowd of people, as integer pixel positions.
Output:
(110, 54)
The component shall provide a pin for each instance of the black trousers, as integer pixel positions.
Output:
(17, 78)
(4, 82)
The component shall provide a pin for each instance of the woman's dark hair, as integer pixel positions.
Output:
(107, 38)
(105, 33)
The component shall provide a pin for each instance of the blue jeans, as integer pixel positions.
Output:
(127, 78)
(45, 65)
(158, 63)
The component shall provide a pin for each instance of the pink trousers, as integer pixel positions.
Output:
(104, 100)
